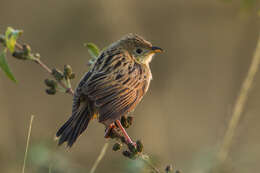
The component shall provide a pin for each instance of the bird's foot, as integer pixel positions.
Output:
(127, 137)
(109, 130)
(132, 143)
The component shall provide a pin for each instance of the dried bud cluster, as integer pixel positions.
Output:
(61, 77)
(127, 121)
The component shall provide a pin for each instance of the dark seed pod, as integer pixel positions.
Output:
(130, 120)
(57, 74)
(139, 146)
(111, 134)
(122, 138)
(128, 154)
(168, 168)
(51, 91)
(50, 83)
(23, 54)
(117, 146)
(19, 55)
(124, 122)
(132, 148)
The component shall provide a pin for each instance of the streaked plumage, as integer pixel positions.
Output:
(113, 87)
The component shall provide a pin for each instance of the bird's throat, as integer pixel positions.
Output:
(148, 59)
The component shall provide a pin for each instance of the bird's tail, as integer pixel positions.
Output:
(76, 124)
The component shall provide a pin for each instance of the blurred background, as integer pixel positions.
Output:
(182, 119)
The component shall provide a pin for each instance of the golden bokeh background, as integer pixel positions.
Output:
(182, 119)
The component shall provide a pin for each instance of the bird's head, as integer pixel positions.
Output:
(139, 48)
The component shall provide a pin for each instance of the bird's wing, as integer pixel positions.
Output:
(78, 95)
(118, 83)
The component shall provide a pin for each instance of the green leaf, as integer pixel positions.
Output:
(4, 66)
(11, 35)
(93, 50)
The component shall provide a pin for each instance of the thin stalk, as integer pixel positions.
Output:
(44, 66)
(100, 157)
(239, 105)
(27, 143)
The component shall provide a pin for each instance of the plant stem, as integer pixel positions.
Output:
(27, 143)
(101, 155)
(239, 105)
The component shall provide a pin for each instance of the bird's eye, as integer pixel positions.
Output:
(139, 51)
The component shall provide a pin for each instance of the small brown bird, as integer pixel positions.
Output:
(113, 87)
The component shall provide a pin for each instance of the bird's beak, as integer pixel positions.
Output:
(156, 49)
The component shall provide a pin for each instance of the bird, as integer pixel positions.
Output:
(112, 88)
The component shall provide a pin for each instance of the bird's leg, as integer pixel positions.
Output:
(109, 129)
(128, 139)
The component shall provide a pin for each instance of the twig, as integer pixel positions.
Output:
(45, 67)
(27, 143)
(101, 155)
(239, 105)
